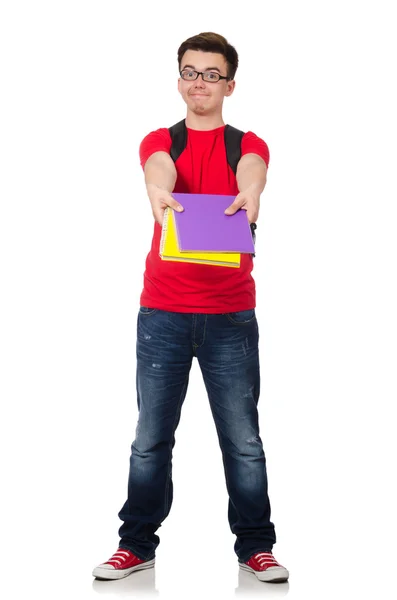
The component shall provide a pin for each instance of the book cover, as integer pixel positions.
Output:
(204, 227)
(169, 248)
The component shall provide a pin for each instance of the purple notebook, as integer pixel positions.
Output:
(203, 226)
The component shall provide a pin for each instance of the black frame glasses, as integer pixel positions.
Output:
(202, 73)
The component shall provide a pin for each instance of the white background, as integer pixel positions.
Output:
(81, 84)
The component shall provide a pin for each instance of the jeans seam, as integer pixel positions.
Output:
(194, 332)
(204, 332)
(173, 433)
(240, 322)
(147, 314)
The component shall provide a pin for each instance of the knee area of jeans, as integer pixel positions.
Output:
(245, 448)
(251, 447)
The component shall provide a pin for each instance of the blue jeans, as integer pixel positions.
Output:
(226, 347)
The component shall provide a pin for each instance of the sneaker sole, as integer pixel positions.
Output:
(272, 574)
(103, 573)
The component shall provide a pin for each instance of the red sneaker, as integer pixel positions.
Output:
(122, 563)
(265, 567)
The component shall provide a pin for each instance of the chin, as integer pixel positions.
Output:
(198, 108)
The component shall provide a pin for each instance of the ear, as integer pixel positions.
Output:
(179, 85)
(230, 87)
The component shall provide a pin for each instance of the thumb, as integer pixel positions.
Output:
(232, 208)
(172, 203)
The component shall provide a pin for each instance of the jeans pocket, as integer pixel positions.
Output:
(242, 317)
(146, 310)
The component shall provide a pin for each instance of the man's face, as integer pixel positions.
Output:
(203, 97)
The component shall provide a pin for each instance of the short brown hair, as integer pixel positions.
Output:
(211, 42)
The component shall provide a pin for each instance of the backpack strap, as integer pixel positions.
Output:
(233, 138)
(178, 133)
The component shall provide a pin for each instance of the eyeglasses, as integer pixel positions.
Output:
(208, 76)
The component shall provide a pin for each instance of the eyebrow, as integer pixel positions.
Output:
(207, 69)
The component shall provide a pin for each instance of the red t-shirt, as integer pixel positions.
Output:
(202, 168)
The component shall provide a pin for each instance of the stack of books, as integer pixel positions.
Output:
(202, 233)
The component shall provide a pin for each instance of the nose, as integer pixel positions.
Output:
(199, 81)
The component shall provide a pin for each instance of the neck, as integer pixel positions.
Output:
(203, 122)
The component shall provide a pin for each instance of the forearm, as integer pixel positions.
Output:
(160, 172)
(251, 174)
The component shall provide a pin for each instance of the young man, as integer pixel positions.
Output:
(195, 310)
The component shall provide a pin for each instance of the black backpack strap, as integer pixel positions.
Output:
(233, 139)
(178, 133)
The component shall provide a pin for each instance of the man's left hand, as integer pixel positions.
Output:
(247, 200)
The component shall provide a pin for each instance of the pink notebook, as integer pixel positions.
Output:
(203, 226)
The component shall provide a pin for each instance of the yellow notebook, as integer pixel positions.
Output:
(169, 248)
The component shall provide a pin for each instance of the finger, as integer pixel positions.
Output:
(158, 216)
(170, 201)
(252, 216)
(235, 206)
(176, 206)
(232, 209)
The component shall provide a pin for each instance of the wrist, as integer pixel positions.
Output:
(154, 187)
(254, 188)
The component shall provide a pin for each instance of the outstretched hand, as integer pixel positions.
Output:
(160, 199)
(247, 200)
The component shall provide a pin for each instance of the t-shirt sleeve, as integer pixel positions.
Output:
(156, 141)
(253, 143)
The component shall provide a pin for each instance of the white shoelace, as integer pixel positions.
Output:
(119, 555)
(266, 558)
